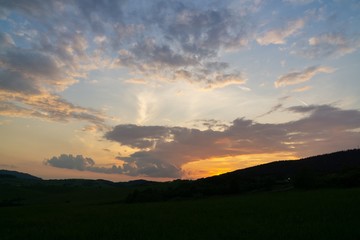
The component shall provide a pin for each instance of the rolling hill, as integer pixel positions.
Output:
(338, 169)
(17, 175)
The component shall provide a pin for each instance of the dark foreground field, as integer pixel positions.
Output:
(315, 214)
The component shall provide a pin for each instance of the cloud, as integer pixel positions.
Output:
(188, 40)
(273, 109)
(211, 76)
(32, 63)
(302, 89)
(298, 2)
(172, 147)
(307, 74)
(200, 29)
(136, 81)
(31, 71)
(70, 162)
(12, 81)
(50, 107)
(331, 45)
(179, 41)
(33, 74)
(155, 40)
(276, 107)
(211, 124)
(138, 136)
(150, 168)
(161, 151)
(223, 80)
(278, 36)
(144, 164)
(5, 40)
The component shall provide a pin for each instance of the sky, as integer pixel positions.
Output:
(167, 89)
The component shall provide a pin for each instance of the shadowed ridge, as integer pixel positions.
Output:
(18, 175)
(325, 163)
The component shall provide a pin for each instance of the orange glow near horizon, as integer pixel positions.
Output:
(220, 165)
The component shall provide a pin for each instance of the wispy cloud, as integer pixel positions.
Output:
(146, 106)
(302, 89)
(298, 2)
(305, 75)
(331, 45)
(50, 107)
(272, 110)
(278, 36)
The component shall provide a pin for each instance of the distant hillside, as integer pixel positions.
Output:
(18, 175)
(322, 164)
(339, 169)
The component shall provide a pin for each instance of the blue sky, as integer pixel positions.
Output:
(175, 89)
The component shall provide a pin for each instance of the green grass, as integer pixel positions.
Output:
(317, 214)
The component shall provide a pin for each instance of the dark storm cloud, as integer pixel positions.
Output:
(171, 146)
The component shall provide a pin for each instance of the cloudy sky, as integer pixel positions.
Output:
(171, 89)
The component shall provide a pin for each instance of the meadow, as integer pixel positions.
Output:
(97, 213)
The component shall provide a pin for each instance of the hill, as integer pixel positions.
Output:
(87, 209)
(338, 169)
(291, 170)
(17, 175)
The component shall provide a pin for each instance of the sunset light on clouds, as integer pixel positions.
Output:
(162, 90)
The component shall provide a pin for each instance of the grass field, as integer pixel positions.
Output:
(316, 214)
